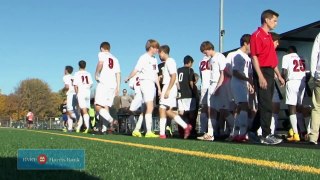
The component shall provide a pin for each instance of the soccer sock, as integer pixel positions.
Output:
(203, 122)
(163, 126)
(272, 125)
(301, 123)
(148, 122)
(180, 121)
(86, 119)
(106, 115)
(139, 123)
(80, 122)
(259, 132)
(276, 117)
(211, 125)
(70, 123)
(243, 122)
(293, 121)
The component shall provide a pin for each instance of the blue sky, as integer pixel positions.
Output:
(39, 37)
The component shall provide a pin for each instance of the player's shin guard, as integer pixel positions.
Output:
(211, 125)
(70, 124)
(180, 121)
(294, 122)
(80, 122)
(139, 123)
(106, 115)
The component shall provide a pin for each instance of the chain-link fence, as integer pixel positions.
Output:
(42, 124)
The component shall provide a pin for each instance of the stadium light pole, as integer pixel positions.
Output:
(221, 29)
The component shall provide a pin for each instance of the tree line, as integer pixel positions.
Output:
(33, 94)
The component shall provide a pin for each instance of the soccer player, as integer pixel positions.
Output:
(82, 85)
(108, 77)
(204, 69)
(241, 85)
(71, 96)
(169, 94)
(265, 61)
(148, 74)
(216, 65)
(187, 101)
(293, 69)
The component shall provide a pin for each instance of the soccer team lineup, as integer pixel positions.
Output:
(238, 98)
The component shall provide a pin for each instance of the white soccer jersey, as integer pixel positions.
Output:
(204, 69)
(147, 67)
(134, 83)
(170, 67)
(110, 67)
(295, 66)
(241, 62)
(68, 80)
(217, 63)
(83, 80)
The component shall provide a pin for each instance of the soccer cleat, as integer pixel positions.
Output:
(151, 135)
(168, 129)
(206, 137)
(187, 131)
(136, 134)
(270, 139)
(290, 133)
(240, 138)
(163, 136)
(78, 130)
(86, 131)
(294, 138)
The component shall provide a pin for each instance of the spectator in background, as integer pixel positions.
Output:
(29, 119)
(315, 73)
(125, 101)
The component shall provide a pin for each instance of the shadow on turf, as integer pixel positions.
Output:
(8, 170)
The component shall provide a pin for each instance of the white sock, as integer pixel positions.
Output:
(294, 122)
(70, 123)
(80, 122)
(86, 119)
(163, 122)
(243, 122)
(259, 132)
(73, 115)
(139, 123)
(180, 121)
(148, 122)
(104, 128)
(203, 122)
(236, 130)
(211, 125)
(272, 125)
(106, 115)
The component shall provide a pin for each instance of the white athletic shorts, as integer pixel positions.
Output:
(148, 90)
(295, 91)
(136, 102)
(204, 97)
(71, 102)
(187, 104)
(239, 90)
(171, 101)
(104, 95)
(84, 100)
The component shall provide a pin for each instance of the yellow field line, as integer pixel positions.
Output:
(257, 162)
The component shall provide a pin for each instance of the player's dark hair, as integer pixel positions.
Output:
(69, 69)
(292, 49)
(245, 39)
(206, 45)
(152, 43)
(275, 36)
(165, 49)
(268, 14)
(105, 46)
(187, 59)
(82, 64)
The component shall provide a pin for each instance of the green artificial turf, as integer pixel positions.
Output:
(114, 161)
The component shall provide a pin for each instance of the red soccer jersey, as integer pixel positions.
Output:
(261, 45)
